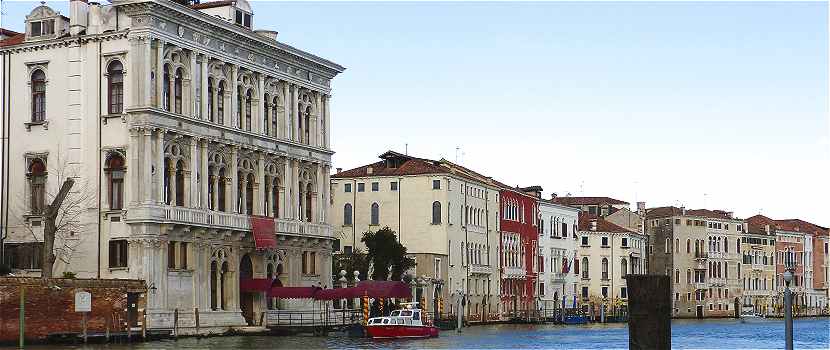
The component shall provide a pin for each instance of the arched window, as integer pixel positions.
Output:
(436, 213)
(220, 103)
(115, 87)
(222, 277)
(275, 197)
(180, 183)
(38, 96)
(248, 99)
(37, 180)
(275, 117)
(211, 189)
(220, 192)
(210, 100)
(165, 88)
(688, 248)
(726, 245)
(688, 276)
(677, 245)
(214, 288)
(347, 214)
(676, 276)
(177, 91)
(307, 125)
(168, 187)
(240, 103)
(605, 268)
(115, 176)
(308, 195)
(266, 125)
(624, 267)
(585, 267)
(375, 215)
(249, 194)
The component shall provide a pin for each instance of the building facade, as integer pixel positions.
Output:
(596, 206)
(606, 253)
(557, 251)
(444, 214)
(758, 265)
(700, 250)
(179, 124)
(519, 248)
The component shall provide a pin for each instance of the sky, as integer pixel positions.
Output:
(700, 104)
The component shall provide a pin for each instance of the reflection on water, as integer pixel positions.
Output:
(725, 333)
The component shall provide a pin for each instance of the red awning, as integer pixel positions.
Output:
(264, 229)
(255, 284)
(293, 292)
(383, 289)
(337, 293)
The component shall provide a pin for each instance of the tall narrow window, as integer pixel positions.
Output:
(37, 178)
(249, 194)
(221, 190)
(308, 125)
(180, 183)
(248, 99)
(436, 213)
(275, 117)
(240, 103)
(115, 174)
(210, 100)
(275, 197)
(220, 103)
(604, 268)
(115, 87)
(38, 96)
(375, 214)
(177, 91)
(266, 125)
(308, 198)
(118, 253)
(347, 214)
(165, 88)
(624, 267)
(585, 267)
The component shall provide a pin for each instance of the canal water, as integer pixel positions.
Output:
(810, 333)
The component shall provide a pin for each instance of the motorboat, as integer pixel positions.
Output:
(407, 322)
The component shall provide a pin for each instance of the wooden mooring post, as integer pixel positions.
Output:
(649, 311)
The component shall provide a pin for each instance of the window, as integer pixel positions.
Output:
(347, 214)
(584, 292)
(239, 18)
(604, 292)
(436, 184)
(585, 240)
(309, 263)
(375, 186)
(604, 268)
(623, 292)
(183, 255)
(624, 267)
(118, 253)
(347, 188)
(23, 256)
(375, 214)
(38, 84)
(605, 241)
(393, 186)
(436, 213)
(115, 88)
(165, 88)
(177, 91)
(248, 99)
(37, 182)
(585, 267)
(624, 242)
(541, 289)
(361, 187)
(115, 175)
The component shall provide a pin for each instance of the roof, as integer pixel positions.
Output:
(758, 225)
(660, 212)
(408, 166)
(212, 4)
(568, 200)
(7, 32)
(798, 225)
(603, 225)
(14, 40)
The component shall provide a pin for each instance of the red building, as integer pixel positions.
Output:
(518, 247)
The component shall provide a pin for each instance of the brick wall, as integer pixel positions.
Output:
(50, 305)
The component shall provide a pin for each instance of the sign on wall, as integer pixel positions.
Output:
(83, 302)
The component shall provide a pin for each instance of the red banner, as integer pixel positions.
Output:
(264, 229)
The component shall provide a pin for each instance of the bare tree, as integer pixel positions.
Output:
(62, 216)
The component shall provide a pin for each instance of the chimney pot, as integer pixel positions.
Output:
(339, 170)
(369, 170)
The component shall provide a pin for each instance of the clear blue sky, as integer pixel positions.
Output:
(705, 103)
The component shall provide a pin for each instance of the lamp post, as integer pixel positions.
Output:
(788, 300)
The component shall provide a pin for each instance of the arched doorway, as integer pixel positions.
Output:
(246, 299)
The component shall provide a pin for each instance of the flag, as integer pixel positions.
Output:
(565, 266)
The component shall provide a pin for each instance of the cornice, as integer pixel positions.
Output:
(64, 42)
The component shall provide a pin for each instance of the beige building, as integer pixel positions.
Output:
(445, 215)
(179, 123)
(700, 250)
(605, 254)
(758, 265)
(596, 206)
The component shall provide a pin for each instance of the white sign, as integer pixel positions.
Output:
(83, 302)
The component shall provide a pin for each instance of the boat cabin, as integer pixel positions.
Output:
(404, 317)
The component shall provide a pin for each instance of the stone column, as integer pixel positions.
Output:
(315, 123)
(259, 186)
(159, 72)
(192, 198)
(295, 189)
(138, 81)
(285, 208)
(232, 194)
(286, 114)
(243, 196)
(171, 183)
(203, 173)
(195, 87)
(295, 116)
(326, 123)
(317, 207)
(203, 66)
(327, 192)
(234, 97)
(159, 160)
(147, 180)
(260, 105)
(133, 168)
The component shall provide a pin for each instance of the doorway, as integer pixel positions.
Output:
(699, 312)
(246, 299)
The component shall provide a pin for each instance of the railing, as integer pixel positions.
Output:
(313, 318)
(514, 272)
(559, 277)
(482, 269)
(701, 255)
(191, 216)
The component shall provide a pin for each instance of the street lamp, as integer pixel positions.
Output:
(788, 299)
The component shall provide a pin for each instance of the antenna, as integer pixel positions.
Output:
(456, 153)
(704, 201)
(406, 149)
(462, 156)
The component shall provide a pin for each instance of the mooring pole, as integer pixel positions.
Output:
(83, 320)
(22, 322)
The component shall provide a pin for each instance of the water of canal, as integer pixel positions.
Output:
(810, 333)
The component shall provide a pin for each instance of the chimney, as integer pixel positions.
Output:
(730, 214)
(766, 228)
(641, 208)
(683, 210)
(78, 11)
(339, 170)
(593, 225)
(369, 171)
(553, 195)
(269, 34)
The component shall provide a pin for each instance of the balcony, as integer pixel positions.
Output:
(701, 255)
(717, 282)
(481, 269)
(514, 272)
(701, 285)
(558, 277)
(222, 220)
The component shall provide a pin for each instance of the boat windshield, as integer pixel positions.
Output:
(416, 316)
(396, 313)
(406, 313)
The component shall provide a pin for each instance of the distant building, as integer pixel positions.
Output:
(557, 252)
(701, 251)
(805, 240)
(597, 206)
(519, 247)
(757, 272)
(606, 252)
